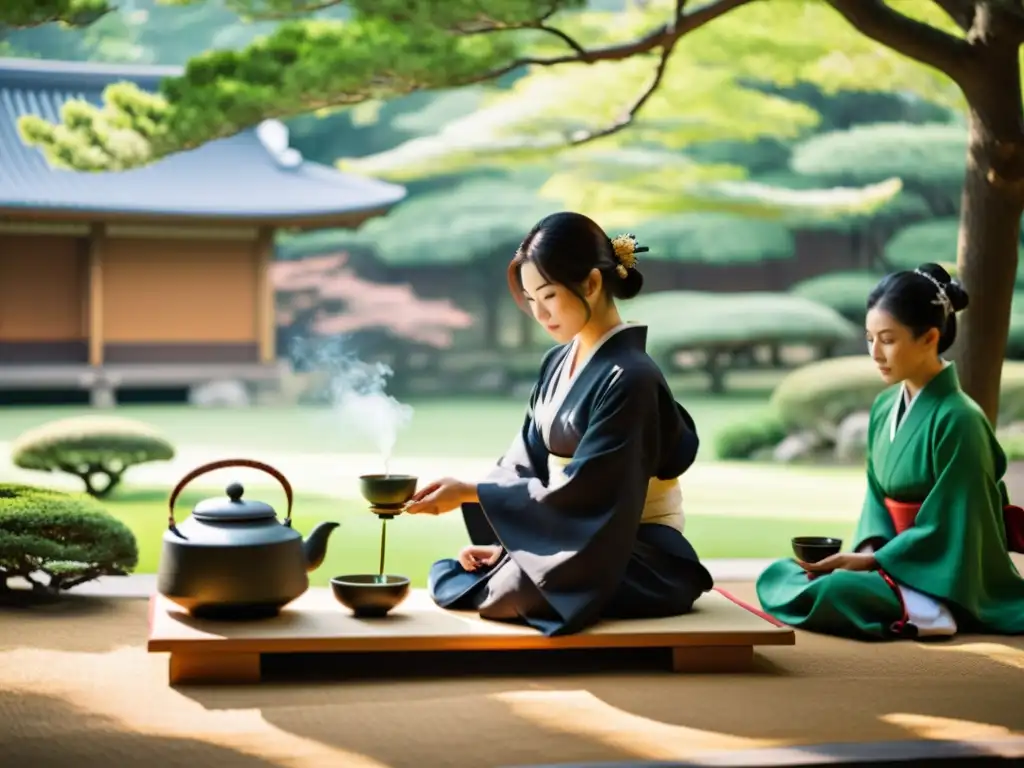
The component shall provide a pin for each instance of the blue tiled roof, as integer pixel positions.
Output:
(232, 178)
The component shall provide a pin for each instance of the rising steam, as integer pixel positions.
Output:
(356, 392)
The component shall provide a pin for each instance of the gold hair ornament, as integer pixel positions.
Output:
(626, 249)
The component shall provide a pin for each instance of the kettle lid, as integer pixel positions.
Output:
(233, 509)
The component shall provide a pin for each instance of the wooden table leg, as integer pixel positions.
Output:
(716, 658)
(214, 668)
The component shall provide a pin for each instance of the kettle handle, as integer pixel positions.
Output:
(172, 523)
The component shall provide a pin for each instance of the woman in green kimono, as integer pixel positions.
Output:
(931, 549)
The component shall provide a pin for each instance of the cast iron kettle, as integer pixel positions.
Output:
(232, 558)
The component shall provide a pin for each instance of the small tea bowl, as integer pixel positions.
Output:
(812, 549)
(387, 491)
(369, 595)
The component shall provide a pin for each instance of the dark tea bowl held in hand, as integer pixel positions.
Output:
(813, 549)
(388, 491)
(370, 595)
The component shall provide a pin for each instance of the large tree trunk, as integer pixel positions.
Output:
(993, 199)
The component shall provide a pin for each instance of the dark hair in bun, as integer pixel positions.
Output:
(922, 299)
(565, 247)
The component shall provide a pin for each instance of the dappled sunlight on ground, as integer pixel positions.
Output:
(947, 728)
(580, 713)
(998, 652)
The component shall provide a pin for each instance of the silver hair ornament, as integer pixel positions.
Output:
(942, 299)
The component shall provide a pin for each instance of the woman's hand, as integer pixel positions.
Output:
(473, 556)
(842, 561)
(441, 496)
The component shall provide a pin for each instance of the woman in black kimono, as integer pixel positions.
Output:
(582, 517)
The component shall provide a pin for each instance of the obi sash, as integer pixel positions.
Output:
(903, 514)
(663, 503)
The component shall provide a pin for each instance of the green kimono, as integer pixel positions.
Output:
(942, 454)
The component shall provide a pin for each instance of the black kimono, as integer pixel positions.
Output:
(576, 546)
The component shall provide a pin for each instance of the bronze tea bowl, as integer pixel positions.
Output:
(369, 595)
(388, 491)
(813, 549)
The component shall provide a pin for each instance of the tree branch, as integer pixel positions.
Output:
(540, 24)
(582, 137)
(298, 9)
(663, 36)
(565, 38)
(671, 34)
(960, 11)
(917, 40)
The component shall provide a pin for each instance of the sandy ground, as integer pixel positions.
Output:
(78, 688)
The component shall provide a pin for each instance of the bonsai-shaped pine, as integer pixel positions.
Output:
(68, 537)
(97, 449)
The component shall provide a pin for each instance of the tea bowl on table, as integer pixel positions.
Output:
(813, 549)
(369, 595)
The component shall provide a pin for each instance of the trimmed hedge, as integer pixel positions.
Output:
(932, 240)
(742, 439)
(69, 537)
(696, 320)
(825, 392)
(716, 238)
(845, 292)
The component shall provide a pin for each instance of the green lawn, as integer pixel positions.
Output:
(468, 428)
(733, 510)
(415, 542)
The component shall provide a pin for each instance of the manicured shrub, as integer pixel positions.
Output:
(819, 395)
(845, 292)
(70, 538)
(97, 449)
(715, 325)
(743, 439)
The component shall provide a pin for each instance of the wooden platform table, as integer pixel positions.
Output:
(719, 636)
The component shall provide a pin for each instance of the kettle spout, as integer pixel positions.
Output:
(314, 547)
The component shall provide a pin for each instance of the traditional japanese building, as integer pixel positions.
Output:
(153, 277)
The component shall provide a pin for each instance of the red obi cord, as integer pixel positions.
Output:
(903, 627)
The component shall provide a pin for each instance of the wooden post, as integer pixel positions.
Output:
(97, 235)
(266, 323)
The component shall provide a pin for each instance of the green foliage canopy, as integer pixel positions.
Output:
(386, 48)
(21, 14)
